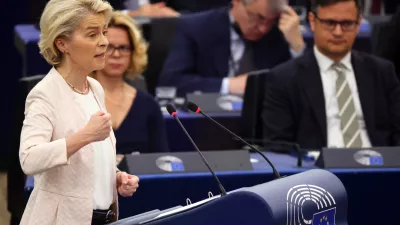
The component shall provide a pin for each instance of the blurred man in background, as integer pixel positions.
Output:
(215, 50)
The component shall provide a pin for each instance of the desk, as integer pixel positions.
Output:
(372, 193)
(27, 38)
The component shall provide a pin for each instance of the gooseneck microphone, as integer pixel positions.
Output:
(194, 108)
(171, 110)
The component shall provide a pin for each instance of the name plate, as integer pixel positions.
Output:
(175, 162)
(376, 157)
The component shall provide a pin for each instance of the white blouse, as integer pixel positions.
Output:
(104, 158)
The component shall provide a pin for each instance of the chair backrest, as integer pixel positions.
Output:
(161, 37)
(380, 29)
(16, 182)
(139, 83)
(251, 122)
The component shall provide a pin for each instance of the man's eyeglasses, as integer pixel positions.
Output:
(346, 25)
(124, 50)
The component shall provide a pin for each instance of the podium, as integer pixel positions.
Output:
(314, 197)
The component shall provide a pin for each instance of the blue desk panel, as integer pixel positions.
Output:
(372, 193)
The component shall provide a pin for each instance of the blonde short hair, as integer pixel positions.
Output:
(138, 61)
(60, 18)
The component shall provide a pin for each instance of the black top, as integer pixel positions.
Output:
(143, 129)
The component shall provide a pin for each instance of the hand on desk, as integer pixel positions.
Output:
(127, 184)
(237, 84)
(167, 12)
(154, 10)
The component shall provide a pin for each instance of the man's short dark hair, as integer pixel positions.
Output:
(315, 4)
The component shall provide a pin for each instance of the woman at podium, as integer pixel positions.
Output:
(67, 142)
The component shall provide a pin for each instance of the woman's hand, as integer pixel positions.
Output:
(99, 127)
(127, 184)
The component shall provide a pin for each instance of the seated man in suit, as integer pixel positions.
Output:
(214, 50)
(333, 96)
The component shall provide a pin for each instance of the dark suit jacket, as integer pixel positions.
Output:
(294, 107)
(200, 54)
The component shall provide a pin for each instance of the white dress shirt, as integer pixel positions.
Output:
(237, 51)
(104, 158)
(328, 77)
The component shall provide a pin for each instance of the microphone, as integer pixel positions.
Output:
(194, 108)
(171, 110)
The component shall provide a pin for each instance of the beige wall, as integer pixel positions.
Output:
(4, 216)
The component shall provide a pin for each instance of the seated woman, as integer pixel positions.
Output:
(136, 117)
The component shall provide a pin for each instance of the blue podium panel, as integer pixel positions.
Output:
(305, 198)
(371, 192)
(313, 197)
(234, 209)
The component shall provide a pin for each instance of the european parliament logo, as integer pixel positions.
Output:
(369, 158)
(170, 163)
(326, 217)
(308, 204)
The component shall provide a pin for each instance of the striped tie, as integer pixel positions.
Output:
(347, 111)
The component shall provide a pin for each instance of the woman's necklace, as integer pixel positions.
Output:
(78, 91)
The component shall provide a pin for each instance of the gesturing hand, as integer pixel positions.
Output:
(127, 184)
(99, 126)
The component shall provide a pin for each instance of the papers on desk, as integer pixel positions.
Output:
(314, 154)
(181, 209)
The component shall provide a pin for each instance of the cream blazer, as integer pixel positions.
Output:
(63, 192)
